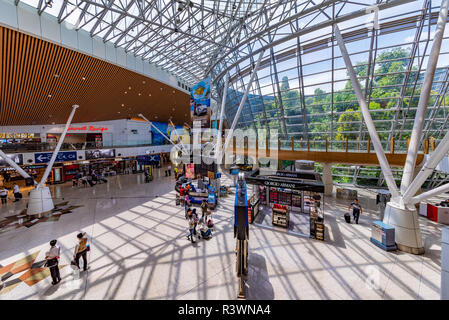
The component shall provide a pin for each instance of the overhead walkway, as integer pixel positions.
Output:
(345, 155)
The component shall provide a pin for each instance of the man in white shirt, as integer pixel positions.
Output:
(16, 192)
(52, 257)
(3, 194)
(169, 170)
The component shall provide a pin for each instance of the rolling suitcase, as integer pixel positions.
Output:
(348, 217)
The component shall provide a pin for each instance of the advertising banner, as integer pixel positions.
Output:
(190, 171)
(200, 98)
(17, 158)
(98, 154)
(156, 137)
(62, 156)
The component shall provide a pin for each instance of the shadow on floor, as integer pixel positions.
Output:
(259, 286)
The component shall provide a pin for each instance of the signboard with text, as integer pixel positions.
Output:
(62, 156)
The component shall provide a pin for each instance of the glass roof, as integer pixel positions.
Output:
(302, 87)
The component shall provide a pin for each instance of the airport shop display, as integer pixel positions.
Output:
(383, 236)
(437, 212)
(280, 215)
(291, 192)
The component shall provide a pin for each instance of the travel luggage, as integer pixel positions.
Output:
(348, 217)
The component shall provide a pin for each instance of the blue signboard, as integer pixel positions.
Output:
(62, 156)
(149, 159)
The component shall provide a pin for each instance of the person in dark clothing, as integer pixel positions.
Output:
(52, 257)
(356, 210)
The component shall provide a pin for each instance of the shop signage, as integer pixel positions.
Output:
(89, 128)
(17, 158)
(98, 154)
(62, 156)
(279, 184)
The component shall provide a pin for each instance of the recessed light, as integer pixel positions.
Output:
(140, 94)
(56, 75)
(129, 88)
(126, 92)
(149, 95)
(173, 91)
(49, 95)
(143, 82)
(118, 112)
(161, 89)
(123, 104)
(83, 78)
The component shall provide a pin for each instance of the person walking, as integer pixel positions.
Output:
(3, 194)
(81, 250)
(195, 219)
(17, 194)
(203, 209)
(169, 170)
(356, 210)
(52, 257)
(191, 222)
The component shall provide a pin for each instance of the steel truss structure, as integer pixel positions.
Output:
(301, 87)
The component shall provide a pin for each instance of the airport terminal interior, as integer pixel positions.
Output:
(224, 150)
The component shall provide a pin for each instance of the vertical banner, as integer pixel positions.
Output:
(200, 102)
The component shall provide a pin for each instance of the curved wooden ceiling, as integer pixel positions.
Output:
(40, 81)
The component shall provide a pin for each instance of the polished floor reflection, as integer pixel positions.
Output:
(140, 251)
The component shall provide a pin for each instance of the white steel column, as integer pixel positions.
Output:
(424, 98)
(58, 146)
(14, 165)
(429, 194)
(327, 179)
(169, 140)
(239, 110)
(434, 159)
(40, 197)
(220, 124)
(384, 165)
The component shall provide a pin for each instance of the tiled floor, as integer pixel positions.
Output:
(140, 251)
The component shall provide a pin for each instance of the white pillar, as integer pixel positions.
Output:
(14, 165)
(383, 162)
(433, 160)
(40, 197)
(220, 124)
(242, 103)
(327, 179)
(424, 98)
(445, 264)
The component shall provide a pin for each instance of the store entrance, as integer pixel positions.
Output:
(290, 201)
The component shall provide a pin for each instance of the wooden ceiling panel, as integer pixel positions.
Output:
(40, 81)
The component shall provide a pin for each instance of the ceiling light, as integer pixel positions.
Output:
(126, 92)
(149, 95)
(56, 75)
(129, 88)
(83, 78)
(123, 104)
(49, 95)
(143, 82)
(140, 94)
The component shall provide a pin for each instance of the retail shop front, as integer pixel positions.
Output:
(289, 199)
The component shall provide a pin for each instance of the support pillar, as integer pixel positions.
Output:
(327, 179)
(40, 197)
(406, 224)
(445, 264)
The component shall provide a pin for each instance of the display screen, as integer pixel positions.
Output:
(99, 154)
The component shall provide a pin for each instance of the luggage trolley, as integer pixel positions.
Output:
(241, 232)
